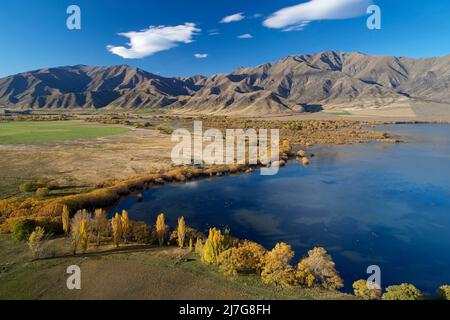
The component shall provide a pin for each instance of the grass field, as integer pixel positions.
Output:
(147, 273)
(29, 132)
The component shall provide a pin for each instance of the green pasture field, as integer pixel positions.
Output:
(29, 132)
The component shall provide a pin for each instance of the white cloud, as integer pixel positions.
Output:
(245, 36)
(298, 16)
(154, 39)
(213, 32)
(201, 55)
(233, 18)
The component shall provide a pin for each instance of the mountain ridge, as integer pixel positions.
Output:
(296, 83)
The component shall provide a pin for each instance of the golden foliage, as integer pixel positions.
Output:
(276, 268)
(199, 246)
(404, 291)
(84, 234)
(305, 277)
(247, 259)
(363, 291)
(181, 232)
(320, 264)
(161, 228)
(215, 245)
(126, 228)
(191, 245)
(443, 293)
(77, 230)
(116, 227)
(65, 219)
(35, 241)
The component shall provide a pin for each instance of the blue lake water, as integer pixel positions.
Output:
(368, 204)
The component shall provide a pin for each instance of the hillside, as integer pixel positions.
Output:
(294, 84)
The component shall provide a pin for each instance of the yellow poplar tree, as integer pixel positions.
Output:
(116, 224)
(65, 217)
(181, 232)
(84, 234)
(161, 228)
(277, 270)
(191, 245)
(125, 225)
(215, 245)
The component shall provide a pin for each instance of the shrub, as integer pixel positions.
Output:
(140, 232)
(35, 241)
(245, 259)
(28, 186)
(443, 293)
(21, 230)
(404, 291)
(214, 246)
(319, 264)
(363, 291)
(42, 192)
(276, 269)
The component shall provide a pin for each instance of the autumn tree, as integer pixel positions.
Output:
(199, 246)
(116, 227)
(276, 268)
(84, 234)
(65, 217)
(161, 228)
(214, 245)
(319, 264)
(443, 293)
(126, 226)
(181, 232)
(100, 225)
(246, 259)
(363, 291)
(76, 235)
(35, 241)
(404, 291)
(191, 245)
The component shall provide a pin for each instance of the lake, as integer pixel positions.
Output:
(367, 204)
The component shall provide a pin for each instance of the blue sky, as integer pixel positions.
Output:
(34, 33)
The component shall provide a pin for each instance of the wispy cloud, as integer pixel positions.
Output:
(233, 18)
(154, 39)
(201, 55)
(245, 36)
(298, 16)
(213, 32)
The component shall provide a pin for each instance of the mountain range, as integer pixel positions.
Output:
(297, 83)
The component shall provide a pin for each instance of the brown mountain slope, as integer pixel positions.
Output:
(293, 84)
